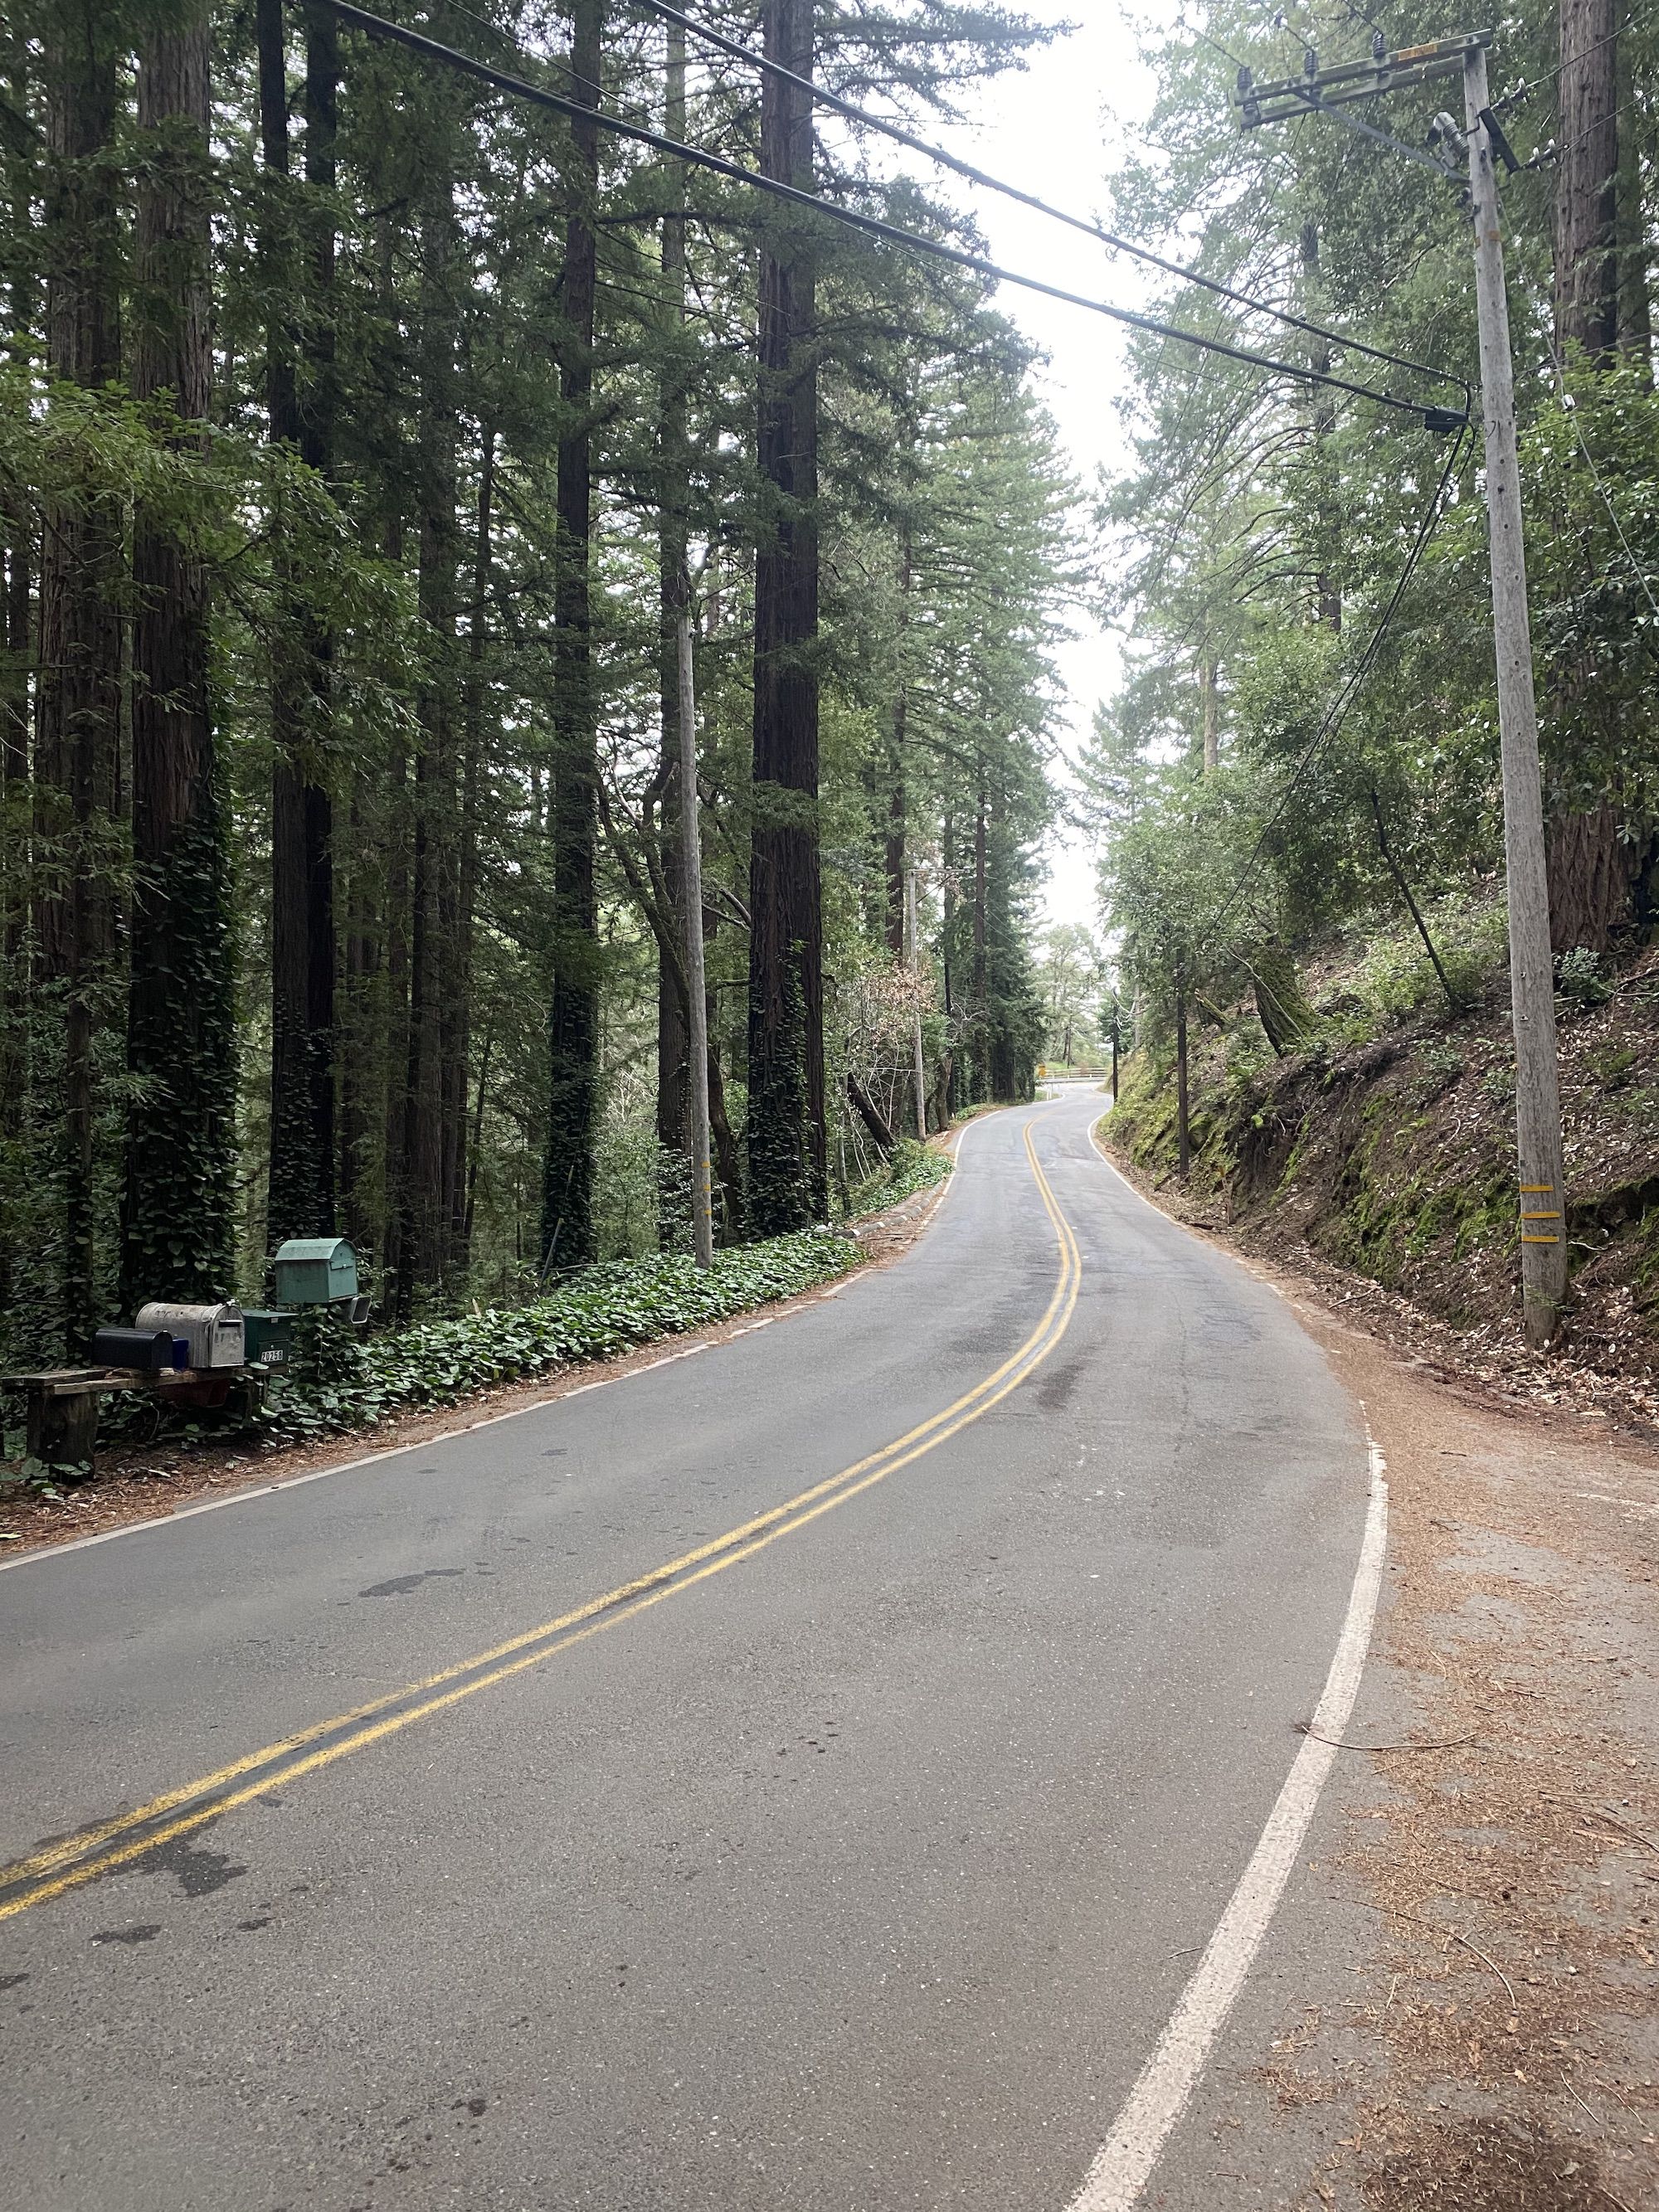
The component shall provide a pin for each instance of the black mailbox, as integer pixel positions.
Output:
(148, 1350)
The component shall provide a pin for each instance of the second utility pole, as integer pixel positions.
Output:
(912, 950)
(1532, 975)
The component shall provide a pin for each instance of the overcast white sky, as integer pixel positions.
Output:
(1055, 130)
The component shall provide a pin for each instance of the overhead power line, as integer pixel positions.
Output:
(872, 226)
(945, 160)
(1634, 21)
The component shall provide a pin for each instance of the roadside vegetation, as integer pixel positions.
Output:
(342, 1380)
(1297, 784)
(338, 1378)
(363, 433)
(1384, 1143)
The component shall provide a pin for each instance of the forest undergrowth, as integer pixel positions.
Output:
(1384, 1149)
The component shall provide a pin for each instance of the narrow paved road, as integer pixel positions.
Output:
(847, 1858)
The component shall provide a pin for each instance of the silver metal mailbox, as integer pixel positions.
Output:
(214, 1333)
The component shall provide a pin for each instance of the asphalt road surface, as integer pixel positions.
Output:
(543, 1818)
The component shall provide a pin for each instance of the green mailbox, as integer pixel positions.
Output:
(268, 1336)
(314, 1271)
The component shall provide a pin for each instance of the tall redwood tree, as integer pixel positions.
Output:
(567, 1233)
(177, 1228)
(787, 1166)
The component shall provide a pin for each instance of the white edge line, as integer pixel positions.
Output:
(396, 1451)
(351, 1466)
(1125, 2161)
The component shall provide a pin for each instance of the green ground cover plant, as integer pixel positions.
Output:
(912, 1167)
(338, 1380)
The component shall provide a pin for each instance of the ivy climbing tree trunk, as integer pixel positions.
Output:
(462, 1174)
(673, 1034)
(1631, 220)
(788, 1183)
(568, 1234)
(426, 1203)
(302, 1190)
(15, 625)
(77, 701)
(178, 1221)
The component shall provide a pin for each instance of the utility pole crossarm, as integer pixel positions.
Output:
(1351, 81)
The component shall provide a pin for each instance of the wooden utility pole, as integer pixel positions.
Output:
(1532, 977)
(1532, 974)
(913, 956)
(702, 1196)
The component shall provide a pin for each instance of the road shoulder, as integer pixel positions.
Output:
(181, 1474)
(1457, 2010)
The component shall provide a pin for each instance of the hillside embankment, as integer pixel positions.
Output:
(1383, 1152)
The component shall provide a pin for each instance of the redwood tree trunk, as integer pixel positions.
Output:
(302, 1188)
(673, 1035)
(893, 857)
(1591, 891)
(1587, 179)
(426, 1212)
(177, 1219)
(77, 700)
(789, 1184)
(568, 1232)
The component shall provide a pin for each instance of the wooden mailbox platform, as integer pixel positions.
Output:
(63, 1403)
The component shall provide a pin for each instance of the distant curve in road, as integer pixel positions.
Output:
(796, 1776)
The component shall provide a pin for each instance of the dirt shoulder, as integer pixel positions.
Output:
(139, 1483)
(1511, 1852)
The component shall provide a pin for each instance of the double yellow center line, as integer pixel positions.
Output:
(82, 1857)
